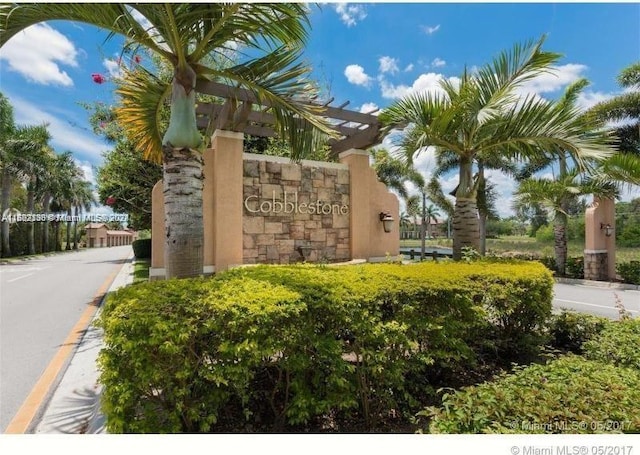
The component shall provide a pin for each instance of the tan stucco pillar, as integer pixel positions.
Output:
(369, 197)
(600, 249)
(360, 211)
(226, 204)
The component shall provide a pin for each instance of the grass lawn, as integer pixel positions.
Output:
(141, 270)
(527, 245)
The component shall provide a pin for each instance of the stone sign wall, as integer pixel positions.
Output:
(264, 209)
(294, 212)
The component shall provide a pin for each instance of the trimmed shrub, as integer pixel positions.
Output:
(179, 351)
(550, 263)
(567, 395)
(142, 248)
(279, 346)
(575, 267)
(570, 330)
(629, 271)
(617, 344)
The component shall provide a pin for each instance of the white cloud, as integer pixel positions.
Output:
(430, 30)
(87, 171)
(38, 53)
(369, 107)
(408, 68)
(113, 67)
(438, 62)
(559, 77)
(504, 188)
(356, 75)
(424, 82)
(388, 65)
(588, 99)
(63, 135)
(350, 14)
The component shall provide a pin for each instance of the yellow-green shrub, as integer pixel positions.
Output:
(284, 345)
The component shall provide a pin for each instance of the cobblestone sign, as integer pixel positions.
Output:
(260, 209)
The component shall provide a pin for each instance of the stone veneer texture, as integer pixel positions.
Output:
(282, 238)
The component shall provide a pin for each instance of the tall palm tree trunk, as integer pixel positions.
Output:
(56, 234)
(31, 205)
(560, 242)
(423, 227)
(482, 220)
(466, 226)
(68, 245)
(183, 176)
(5, 201)
(75, 228)
(46, 206)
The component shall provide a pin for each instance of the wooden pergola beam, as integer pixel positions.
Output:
(237, 113)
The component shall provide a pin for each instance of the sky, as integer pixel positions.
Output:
(369, 54)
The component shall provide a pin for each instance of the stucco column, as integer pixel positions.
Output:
(360, 213)
(226, 206)
(600, 249)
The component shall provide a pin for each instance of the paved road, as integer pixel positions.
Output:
(596, 300)
(40, 302)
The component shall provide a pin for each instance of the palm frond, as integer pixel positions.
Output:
(142, 97)
(630, 76)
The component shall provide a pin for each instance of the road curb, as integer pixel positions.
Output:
(598, 284)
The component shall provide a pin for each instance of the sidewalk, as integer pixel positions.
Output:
(74, 406)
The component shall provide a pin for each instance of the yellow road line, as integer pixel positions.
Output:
(26, 413)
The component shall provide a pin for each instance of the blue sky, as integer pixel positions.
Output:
(369, 54)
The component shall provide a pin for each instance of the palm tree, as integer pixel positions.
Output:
(21, 148)
(63, 172)
(413, 208)
(34, 166)
(82, 199)
(394, 173)
(187, 36)
(555, 195)
(624, 107)
(481, 116)
(431, 213)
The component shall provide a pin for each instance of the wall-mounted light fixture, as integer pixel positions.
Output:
(387, 221)
(608, 230)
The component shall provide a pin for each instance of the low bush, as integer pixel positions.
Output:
(142, 248)
(550, 263)
(618, 344)
(629, 271)
(575, 267)
(284, 346)
(569, 330)
(567, 395)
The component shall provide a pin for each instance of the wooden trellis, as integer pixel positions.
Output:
(243, 112)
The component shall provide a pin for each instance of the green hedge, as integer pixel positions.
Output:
(569, 330)
(618, 343)
(284, 346)
(629, 271)
(568, 395)
(142, 248)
